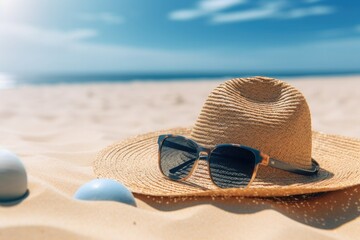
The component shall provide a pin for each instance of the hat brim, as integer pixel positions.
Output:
(134, 162)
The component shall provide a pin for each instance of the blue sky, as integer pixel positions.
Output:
(42, 36)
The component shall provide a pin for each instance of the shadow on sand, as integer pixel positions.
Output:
(14, 202)
(325, 210)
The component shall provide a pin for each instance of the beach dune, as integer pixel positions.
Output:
(58, 130)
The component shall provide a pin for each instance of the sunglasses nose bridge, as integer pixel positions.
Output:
(203, 155)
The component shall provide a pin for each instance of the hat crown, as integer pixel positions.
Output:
(263, 113)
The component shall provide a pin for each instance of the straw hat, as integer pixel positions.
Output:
(263, 113)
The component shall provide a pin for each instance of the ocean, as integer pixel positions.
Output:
(11, 80)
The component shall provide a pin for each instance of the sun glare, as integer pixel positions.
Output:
(11, 10)
(6, 81)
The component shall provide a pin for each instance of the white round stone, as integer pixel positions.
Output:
(13, 178)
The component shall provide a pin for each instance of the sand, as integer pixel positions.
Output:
(57, 131)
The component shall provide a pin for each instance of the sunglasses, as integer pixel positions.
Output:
(229, 165)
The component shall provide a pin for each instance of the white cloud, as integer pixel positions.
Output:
(183, 15)
(280, 9)
(217, 5)
(33, 34)
(310, 11)
(266, 11)
(203, 8)
(312, 1)
(105, 17)
(271, 11)
(242, 16)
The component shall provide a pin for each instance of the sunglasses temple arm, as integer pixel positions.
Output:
(185, 164)
(275, 163)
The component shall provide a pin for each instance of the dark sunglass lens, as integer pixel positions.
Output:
(177, 157)
(231, 166)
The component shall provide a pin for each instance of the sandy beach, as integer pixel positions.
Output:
(58, 130)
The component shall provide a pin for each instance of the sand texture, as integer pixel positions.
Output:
(58, 130)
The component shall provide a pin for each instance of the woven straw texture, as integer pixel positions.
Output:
(259, 112)
(264, 113)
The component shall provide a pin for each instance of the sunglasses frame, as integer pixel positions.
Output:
(205, 154)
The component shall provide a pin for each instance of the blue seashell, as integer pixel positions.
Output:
(105, 190)
(13, 178)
